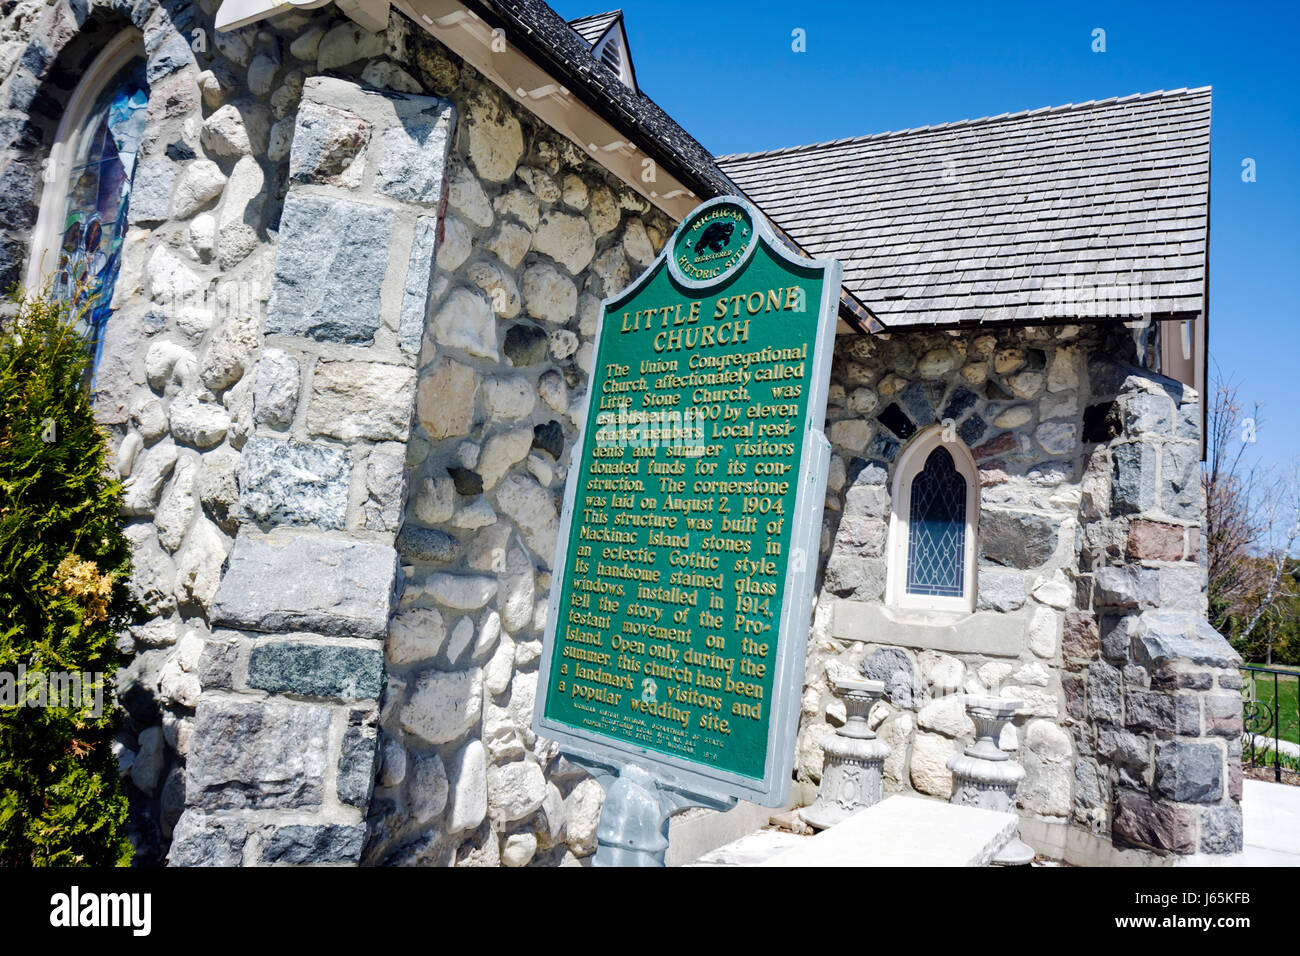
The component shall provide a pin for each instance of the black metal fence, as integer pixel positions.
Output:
(1270, 700)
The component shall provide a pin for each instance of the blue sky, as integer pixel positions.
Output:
(871, 67)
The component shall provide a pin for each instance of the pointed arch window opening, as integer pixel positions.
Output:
(93, 219)
(936, 546)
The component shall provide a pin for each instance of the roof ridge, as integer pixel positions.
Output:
(1001, 117)
(596, 16)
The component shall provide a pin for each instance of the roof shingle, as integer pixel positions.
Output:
(1005, 218)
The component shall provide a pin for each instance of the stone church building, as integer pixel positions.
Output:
(347, 260)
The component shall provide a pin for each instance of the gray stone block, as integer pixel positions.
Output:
(1000, 590)
(1180, 481)
(1104, 692)
(1133, 486)
(324, 585)
(1143, 822)
(1146, 414)
(257, 755)
(1017, 539)
(1189, 773)
(317, 670)
(302, 843)
(1126, 587)
(290, 482)
(357, 758)
(200, 840)
(415, 290)
(414, 154)
(1150, 710)
(1166, 636)
(1221, 830)
(329, 266)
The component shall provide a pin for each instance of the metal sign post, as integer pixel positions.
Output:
(672, 665)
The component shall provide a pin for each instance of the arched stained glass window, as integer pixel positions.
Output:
(936, 526)
(77, 245)
(98, 194)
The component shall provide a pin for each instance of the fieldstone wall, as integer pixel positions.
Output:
(1090, 514)
(312, 418)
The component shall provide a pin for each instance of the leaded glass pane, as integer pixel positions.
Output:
(99, 191)
(936, 531)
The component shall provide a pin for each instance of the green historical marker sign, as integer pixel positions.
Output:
(680, 602)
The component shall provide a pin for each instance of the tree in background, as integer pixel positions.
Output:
(64, 564)
(1252, 526)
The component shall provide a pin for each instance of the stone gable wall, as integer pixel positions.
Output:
(1090, 524)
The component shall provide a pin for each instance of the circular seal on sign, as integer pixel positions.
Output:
(714, 240)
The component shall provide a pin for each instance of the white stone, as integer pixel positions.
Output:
(1032, 673)
(1064, 373)
(239, 213)
(553, 390)
(897, 733)
(456, 244)
(435, 500)
(198, 423)
(203, 234)
(582, 811)
(198, 564)
(124, 457)
(275, 394)
(462, 635)
(1053, 590)
(225, 133)
(637, 243)
(1043, 629)
(521, 205)
(142, 489)
(604, 213)
(389, 76)
(563, 344)
(467, 788)
(947, 716)
(1057, 438)
(574, 192)
(549, 294)
(930, 773)
(489, 632)
(444, 399)
(461, 592)
(465, 321)
(347, 43)
(1013, 417)
(415, 634)
(508, 396)
(429, 788)
(532, 508)
(519, 848)
(942, 672)
(178, 505)
(501, 451)
(443, 706)
(465, 195)
(1046, 756)
(510, 243)
(231, 349)
(567, 239)
(496, 141)
(477, 514)
(199, 184)
(515, 790)
(171, 281)
(500, 668)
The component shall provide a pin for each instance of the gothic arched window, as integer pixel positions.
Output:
(932, 528)
(83, 217)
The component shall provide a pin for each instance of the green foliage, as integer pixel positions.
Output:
(64, 564)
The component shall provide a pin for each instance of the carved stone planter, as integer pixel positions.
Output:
(984, 775)
(854, 768)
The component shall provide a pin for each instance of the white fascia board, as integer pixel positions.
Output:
(370, 15)
(468, 36)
